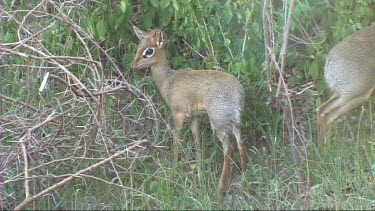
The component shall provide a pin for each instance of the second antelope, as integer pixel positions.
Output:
(191, 93)
(350, 73)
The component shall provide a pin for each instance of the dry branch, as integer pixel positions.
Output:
(18, 102)
(267, 41)
(88, 121)
(61, 184)
(285, 98)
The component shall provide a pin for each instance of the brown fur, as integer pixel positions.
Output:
(350, 73)
(190, 93)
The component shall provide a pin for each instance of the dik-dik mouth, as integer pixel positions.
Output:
(139, 66)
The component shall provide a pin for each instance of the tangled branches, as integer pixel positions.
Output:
(64, 114)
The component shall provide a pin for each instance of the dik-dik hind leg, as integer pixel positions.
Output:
(195, 130)
(228, 151)
(178, 123)
(241, 148)
(345, 105)
(338, 106)
(322, 127)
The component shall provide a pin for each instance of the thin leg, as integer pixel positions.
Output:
(242, 149)
(178, 123)
(228, 151)
(322, 110)
(322, 127)
(195, 130)
(334, 108)
(344, 106)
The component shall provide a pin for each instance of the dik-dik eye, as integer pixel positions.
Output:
(149, 52)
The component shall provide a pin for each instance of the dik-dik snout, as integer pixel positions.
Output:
(190, 93)
(350, 73)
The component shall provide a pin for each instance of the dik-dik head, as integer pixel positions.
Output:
(150, 48)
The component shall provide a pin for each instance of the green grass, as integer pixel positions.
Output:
(342, 173)
(342, 177)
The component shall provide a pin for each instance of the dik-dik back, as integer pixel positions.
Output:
(189, 90)
(350, 73)
(193, 92)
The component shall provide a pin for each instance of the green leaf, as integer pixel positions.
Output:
(248, 14)
(8, 36)
(92, 22)
(154, 186)
(101, 28)
(175, 5)
(255, 27)
(314, 70)
(227, 58)
(321, 86)
(358, 26)
(70, 45)
(155, 3)
(227, 15)
(123, 6)
(227, 42)
(164, 3)
(167, 15)
(119, 20)
(147, 18)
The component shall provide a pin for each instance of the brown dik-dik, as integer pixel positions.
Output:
(190, 93)
(350, 73)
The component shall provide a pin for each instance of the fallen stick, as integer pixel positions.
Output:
(59, 185)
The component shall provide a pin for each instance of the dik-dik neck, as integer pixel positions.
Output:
(162, 73)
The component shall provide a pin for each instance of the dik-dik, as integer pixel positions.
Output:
(190, 93)
(350, 73)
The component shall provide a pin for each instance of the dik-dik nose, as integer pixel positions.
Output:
(135, 64)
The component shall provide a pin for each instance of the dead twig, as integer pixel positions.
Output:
(61, 184)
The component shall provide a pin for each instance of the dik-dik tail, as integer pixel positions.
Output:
(350, 73)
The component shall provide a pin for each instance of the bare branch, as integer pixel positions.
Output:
(61, 184)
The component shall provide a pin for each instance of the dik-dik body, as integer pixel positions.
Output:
(190, 93)
(350, 73)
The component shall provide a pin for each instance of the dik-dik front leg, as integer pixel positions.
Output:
(195, 130)
(179, 119)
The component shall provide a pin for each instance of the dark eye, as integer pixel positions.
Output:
(148, 53)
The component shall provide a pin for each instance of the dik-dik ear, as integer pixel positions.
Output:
(140, 34)
(158, 36)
